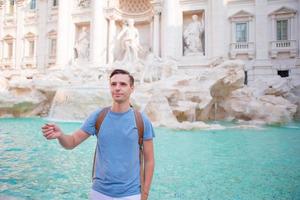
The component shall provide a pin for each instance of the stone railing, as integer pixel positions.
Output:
(51, 60)
(242, 48)
(29, 62)
(283, 46)
(10, 19)
(7, 63)
(31, 17)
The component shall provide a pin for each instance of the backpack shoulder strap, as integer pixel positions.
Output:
(100, 119)
(140, 126)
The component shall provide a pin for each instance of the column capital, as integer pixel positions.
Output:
(157, 6)
(157, 10)
(113, 3)
(112, 16)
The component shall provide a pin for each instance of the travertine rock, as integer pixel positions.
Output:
(176, 100)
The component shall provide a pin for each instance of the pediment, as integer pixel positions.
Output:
(29, 35)
(241, 14)
(52, 33)
(8, 37)
(283, 10)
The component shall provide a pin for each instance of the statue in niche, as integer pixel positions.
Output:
(82, 44)
(130, 43)
(83, 3)
(193, 37)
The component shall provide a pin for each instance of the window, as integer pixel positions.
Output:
(55, 3)
(9, 50)
(282, 29)
(52, 47)
(31, 49)
(241, 32)
(33, 4)
(11, 5)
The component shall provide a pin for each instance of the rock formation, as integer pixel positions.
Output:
(177, 100)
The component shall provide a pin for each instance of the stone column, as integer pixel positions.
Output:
(273, 28)
(298, 27)
(293, 25)
(63, 54)
(171, 43)
(1, 29)
(233, 40)
(262, 38)
(251, 29)
(98, 34)
(156, 32)
(218, 32)
(42, 40)
(19, 42)
(111, 38)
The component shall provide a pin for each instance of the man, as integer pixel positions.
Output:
(117, 174)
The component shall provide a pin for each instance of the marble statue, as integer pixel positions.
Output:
(192, 36)
(156, 68)
(129, 37)
(82, 44)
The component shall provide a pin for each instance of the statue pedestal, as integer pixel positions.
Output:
(194, 59)
(193, 53)
(81, 63)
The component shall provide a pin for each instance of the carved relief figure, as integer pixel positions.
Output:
(192, 36)
(129, 36)
(83, 3)
(82, 45)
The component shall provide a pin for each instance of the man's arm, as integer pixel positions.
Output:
(52, 131)
(71, 141)
(149, 167)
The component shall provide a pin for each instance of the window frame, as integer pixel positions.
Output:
(10, 7)
(246, 36)
(52, 46)
(33, 3)
(55, 3)
(280, 36)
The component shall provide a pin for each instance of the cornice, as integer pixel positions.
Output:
(116, 14)
(20, 2)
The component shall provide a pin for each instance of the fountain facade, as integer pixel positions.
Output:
(190, 58)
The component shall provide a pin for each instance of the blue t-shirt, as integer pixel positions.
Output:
(117, 171)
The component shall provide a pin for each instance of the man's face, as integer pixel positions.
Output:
(120, 88)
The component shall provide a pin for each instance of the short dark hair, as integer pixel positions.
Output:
(122, 71)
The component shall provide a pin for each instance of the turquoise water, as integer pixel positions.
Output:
(231, 164)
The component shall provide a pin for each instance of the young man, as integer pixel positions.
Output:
(117, 171)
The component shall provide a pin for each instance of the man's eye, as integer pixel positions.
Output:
(123, 84)
(113, 84)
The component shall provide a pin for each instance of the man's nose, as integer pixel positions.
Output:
(118, 86)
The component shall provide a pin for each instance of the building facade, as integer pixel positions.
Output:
(37, 36)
